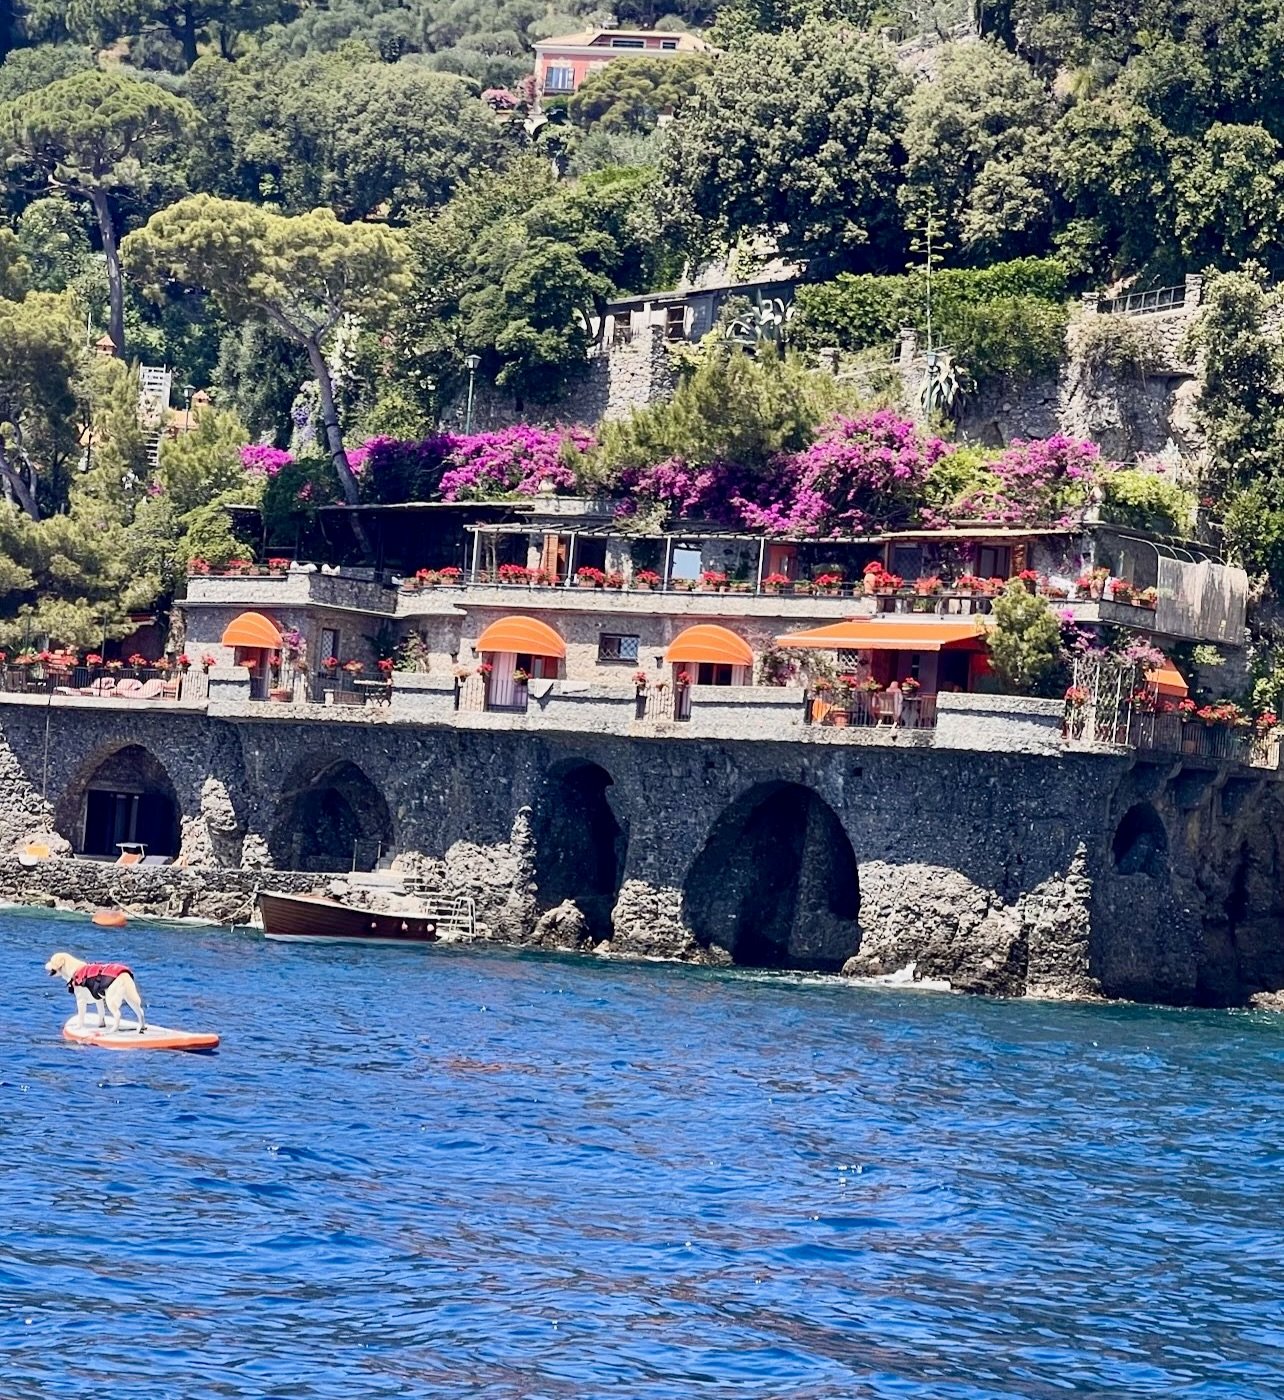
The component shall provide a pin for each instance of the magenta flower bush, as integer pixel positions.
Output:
(258, 459)
(520, 459)
(860, 474)
(1035, 483)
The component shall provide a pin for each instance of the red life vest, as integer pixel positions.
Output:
(95, 978)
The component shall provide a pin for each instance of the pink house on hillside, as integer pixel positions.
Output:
(563, 62)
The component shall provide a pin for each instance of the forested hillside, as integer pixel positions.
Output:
(318, 211)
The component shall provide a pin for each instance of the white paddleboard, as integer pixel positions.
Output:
(128, 1038)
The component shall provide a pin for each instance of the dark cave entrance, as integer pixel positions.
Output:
(580, 845)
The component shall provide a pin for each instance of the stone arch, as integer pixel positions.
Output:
(123, 795)
(336, 820)
(1140, 843)
(580, 842)
(776, 883)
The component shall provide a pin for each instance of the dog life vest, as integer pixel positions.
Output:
(95, 978)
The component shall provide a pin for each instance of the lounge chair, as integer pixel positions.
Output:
(152, 690)
(129, 689)
(129, 858)
(104, 685)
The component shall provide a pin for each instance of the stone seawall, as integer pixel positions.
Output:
(1006, 865)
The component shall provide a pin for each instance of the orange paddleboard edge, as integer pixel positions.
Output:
(128, 1038)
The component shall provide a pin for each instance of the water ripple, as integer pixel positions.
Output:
(503, 1176)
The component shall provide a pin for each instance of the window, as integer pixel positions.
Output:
(329, 646)
(993, 561)
(685, 563)
(612, 647)
(559, 80)
(675, 322)
(628, 43)
(668, 43)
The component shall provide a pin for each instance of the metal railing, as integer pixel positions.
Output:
(98, 682)
(1143, 303)
(868, 710)
(663, 705)
(344, 688)
(1218, 743)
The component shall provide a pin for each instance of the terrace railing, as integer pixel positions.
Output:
(143, 682)
(1143, 303)
(864, 710)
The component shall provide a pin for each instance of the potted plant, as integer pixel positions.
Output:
(542, 578)
(385, 664)
(1122, 591)
(888, 583)
(278, 565)
(828, 584)
(588, 577)
(639, 680)
(138, 661)
(614, 580)
(646, 579)
(353, 667)
(773, 583)
(712, 581)
(1031, 579)
(514, 574)
(871, 574)
(682, 680)
(93, 659)
(1147, 598)
(682, 585)
(198, 566)
(927, 585)
(183, 661)
(521, 677)
(280, 694)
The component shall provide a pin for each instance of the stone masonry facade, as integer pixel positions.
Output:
(994, 858)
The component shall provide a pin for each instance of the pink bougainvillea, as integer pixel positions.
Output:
(861, 473)
(520, 459)
(1035, 483)
(261, 460)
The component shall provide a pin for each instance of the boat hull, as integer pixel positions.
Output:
(301, 918)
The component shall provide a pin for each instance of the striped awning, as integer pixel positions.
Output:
(874, 634)
(252, 629)
(525, 636)
(707, 642)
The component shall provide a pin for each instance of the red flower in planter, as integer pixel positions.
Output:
(137, 659)
(385, 665)
(183, 660)
(93, 659)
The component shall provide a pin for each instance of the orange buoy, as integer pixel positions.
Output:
(108, 918)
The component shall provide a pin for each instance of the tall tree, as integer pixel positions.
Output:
(798, 136)
(301, 274)
(187, 22)
(96, 135)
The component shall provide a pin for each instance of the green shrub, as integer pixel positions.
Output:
(1115, 343)
(1146, 501)
(1005, 320)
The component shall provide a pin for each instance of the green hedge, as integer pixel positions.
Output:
(1008, 319)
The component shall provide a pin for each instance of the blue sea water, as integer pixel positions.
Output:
(449, 1173)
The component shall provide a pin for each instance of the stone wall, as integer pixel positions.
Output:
(999, 871)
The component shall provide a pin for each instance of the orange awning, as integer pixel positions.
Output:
(527, 636)
(1167, 680)
(708, 642)
(873, 634)
(252, 630)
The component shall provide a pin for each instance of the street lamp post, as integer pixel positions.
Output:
(188, 391)
(472, 362)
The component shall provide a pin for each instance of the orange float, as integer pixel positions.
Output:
(108, 918)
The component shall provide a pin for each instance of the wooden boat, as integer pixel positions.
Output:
(315, 918)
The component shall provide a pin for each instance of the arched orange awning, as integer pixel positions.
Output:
(525, 635)
(252, 629)
(708, 642)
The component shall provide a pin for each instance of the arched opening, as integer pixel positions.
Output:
(128, 798)
(1140, 845)
(776, 883)
(338, 821)
(580, 844)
